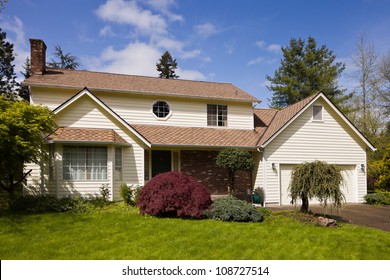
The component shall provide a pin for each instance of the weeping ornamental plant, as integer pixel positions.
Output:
(319, 180)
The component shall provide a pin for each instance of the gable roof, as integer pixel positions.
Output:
(283, 118)
(159, 135)
(86, 92)
(98, 81)
(98, 135)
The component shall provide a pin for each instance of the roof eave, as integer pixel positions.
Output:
(83, 142)
(202, 146)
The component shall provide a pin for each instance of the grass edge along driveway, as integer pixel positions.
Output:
(119, 232)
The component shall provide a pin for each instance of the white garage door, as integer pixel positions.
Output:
(348, 188)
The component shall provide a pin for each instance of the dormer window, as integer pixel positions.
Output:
(318, 114)
(161, 109)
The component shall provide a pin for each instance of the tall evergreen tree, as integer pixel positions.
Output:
(306, 69)
(24, 93)
(64, 60)
(8, 82)
(167, 66)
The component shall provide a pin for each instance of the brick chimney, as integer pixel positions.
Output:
(38, 56)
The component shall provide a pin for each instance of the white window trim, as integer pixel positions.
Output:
(157, 118)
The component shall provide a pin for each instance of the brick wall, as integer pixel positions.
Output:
(201, 165)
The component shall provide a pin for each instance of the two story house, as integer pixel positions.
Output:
(117, 129)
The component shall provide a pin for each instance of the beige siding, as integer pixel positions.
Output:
(50, 97)
(137, 109)
(305, 140)
(258, 170)
(185, 112)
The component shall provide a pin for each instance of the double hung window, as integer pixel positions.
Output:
(216, 115)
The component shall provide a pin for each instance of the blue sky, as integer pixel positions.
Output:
(216, 40)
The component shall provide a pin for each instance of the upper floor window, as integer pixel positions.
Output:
(161, 109)
(216, 115)
(318, 114)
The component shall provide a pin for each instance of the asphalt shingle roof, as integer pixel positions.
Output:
(199, 136)
(69, 134)
(79, 79)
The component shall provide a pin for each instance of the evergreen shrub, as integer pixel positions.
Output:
(232, 209)
(174, 194)
(130, 194)
(378, 198)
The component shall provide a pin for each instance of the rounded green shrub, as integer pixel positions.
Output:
(234, 210)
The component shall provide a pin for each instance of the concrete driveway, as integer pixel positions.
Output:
(359, 214)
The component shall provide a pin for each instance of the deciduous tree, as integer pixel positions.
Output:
(234, 159)
(366, 115)
(22, 130)
(316, 179)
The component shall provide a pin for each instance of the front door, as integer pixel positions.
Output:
(161, 162)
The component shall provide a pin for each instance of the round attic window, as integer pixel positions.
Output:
(161, 109)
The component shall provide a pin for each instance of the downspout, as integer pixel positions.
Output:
(264, 173)
(264, 169)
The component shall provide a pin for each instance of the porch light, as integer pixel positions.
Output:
(273, 165)
(362, 166)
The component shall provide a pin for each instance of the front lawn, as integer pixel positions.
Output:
(119, 232)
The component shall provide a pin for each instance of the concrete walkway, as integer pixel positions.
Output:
(359, 214)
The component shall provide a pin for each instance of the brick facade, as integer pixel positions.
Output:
(201, 165)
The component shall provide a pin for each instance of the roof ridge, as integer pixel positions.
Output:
(141, 76)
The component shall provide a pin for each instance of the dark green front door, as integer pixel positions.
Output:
(161, 162)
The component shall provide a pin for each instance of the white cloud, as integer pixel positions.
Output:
(257, 60)
(150, 39)
(163, 6)
(128, 12)
(174, 46)
(276, 48)
(106, 31)
(205, 30)
(190, 75)
(136, 59)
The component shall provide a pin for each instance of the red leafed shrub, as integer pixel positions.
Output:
(174, 194)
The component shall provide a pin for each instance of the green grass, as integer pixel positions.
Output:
(118, 232)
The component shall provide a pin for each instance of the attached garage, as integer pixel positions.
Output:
(348, 188)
